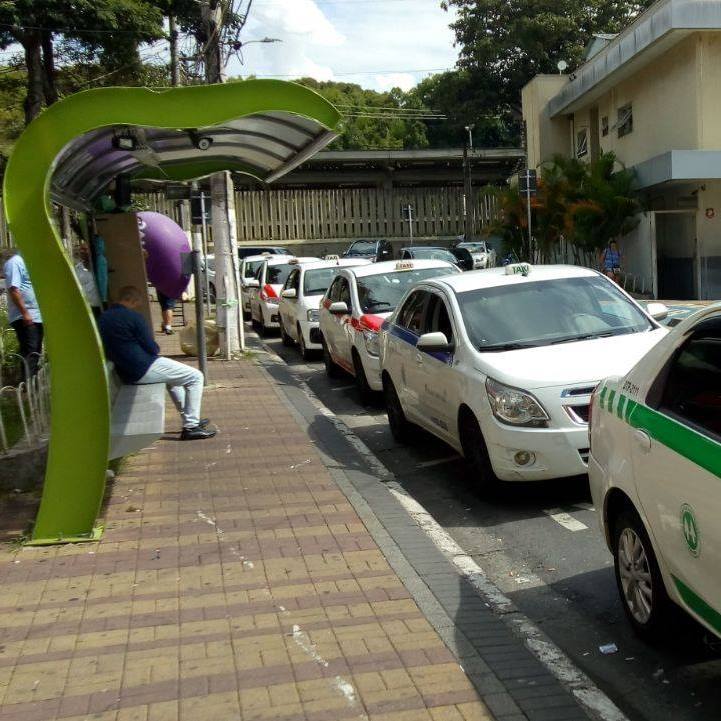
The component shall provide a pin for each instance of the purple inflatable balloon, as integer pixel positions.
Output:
(165, 242)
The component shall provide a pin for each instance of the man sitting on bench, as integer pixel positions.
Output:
(129, 344)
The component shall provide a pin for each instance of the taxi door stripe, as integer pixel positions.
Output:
(696, 447)
(700, 607)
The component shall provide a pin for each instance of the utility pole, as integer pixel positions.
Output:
(468, 214)
(174, 68)
(225, 245)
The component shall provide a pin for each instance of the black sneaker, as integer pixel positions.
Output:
(168, 331)
(196, 434)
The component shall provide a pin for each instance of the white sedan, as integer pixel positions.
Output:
(300, 301)
(354, 307)
(501, 364)
(265, 289)
(248, 268)
(654, 468)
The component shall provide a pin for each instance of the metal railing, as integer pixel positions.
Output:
(25, 407)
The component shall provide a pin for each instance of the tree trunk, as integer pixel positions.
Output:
(49, 86)
(35, 90)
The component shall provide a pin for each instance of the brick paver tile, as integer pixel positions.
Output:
(234, 581)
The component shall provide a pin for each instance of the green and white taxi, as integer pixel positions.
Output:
(655, 468)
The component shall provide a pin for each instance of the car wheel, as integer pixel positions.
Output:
(638, 576)
(401, 427)
(475, 452)
(361, 381)
(287, 340)
(304, 352)
(332, 370)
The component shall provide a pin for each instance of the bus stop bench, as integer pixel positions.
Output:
(137, 415)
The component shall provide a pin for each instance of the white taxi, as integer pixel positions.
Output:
(501, 364)
(265, 289)
(300, 301)
(248, 268)
(655, 470)
(354, 307)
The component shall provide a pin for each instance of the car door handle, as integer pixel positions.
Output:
(642, 440)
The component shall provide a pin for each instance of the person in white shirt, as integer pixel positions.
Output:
(23, 311)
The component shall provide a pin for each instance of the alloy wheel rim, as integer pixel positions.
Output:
(635, 575)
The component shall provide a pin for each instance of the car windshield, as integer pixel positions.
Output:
(278, 274)
(382, 293)
(474, 247)
(362, 247)
(547, 312)
(432, 254)
(251, 268)
(317, 281)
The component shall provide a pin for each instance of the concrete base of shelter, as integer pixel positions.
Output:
(23, 469)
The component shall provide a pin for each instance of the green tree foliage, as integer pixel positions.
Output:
(108, 31)
(505, 43)
(373, 119)
(586, 204)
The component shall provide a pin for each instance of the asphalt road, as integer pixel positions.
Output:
(541, 546)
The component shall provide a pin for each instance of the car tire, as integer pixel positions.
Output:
(361, 381)
(476, 454)
(332, 370)
(401, 427)
(638, 577)
(304, 352)
(288, 342)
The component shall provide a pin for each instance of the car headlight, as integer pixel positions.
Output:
(515, 407)
(313, 316)
(372, 342)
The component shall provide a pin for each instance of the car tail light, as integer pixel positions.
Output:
(268, 292)
(371, 322)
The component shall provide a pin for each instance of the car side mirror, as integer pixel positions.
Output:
(289, 293)
(253, 283)
(658, 311)
(435, 343)
(340, 307)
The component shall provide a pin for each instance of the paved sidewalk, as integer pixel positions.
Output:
(235, 580)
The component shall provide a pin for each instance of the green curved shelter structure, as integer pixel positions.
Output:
(69, 155)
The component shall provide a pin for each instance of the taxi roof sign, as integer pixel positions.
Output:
(523, 269)
(404, 265)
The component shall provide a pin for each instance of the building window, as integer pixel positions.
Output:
(604, 126)
(582, 143)
(625, 120)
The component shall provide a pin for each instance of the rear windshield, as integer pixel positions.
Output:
(278, 274)
(251, 268)
(382, 293)
(316, 282)
(362, 247)
(432, 254)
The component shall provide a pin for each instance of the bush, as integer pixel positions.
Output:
(10, 370)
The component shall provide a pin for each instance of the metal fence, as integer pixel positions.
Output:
(24, 406)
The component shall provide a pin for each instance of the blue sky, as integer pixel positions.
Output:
(376, 43)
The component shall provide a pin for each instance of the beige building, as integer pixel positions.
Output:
(652, 95)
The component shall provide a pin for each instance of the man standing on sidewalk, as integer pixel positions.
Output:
(23, 311)
(129, 344)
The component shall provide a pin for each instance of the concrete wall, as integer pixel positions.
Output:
(545, 137)
(709, 240)
(664, 96)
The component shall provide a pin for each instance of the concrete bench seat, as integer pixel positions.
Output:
(137, 415)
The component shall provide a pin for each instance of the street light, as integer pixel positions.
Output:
(238, 45)
(469, 130)
(468, 186)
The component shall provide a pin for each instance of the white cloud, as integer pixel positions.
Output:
(378, 45)
(404, 81)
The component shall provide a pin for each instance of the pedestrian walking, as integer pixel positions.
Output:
(611, 261)
(167, 305)
(129, 344)
(23, 310)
